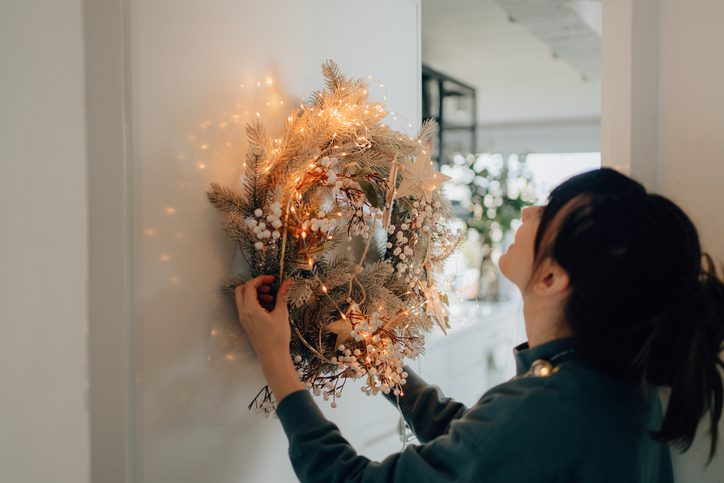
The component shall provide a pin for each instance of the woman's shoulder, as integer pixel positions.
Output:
(569, 425)
(572, 401)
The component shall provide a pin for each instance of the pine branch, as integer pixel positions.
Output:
(300, 292)
(339, 272)
(427, 130)
(226, 199)
(229, 286)
(254, 186)
(259, 140)
(375, 274)
(332, 74)
(243, 237)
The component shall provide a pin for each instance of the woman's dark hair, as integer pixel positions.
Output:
(644, 301)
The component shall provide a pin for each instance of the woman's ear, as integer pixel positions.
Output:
(552, 279)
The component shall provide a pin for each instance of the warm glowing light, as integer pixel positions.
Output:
(269, 81)
(165, 257)
(149, 231)
(170, 210)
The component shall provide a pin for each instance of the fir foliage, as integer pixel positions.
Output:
(323, 187)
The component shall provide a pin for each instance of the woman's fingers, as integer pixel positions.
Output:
(261, 280)
(281, 303)
(256, 294)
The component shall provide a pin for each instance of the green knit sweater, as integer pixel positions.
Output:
(574, 425)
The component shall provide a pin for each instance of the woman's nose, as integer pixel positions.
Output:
(527, 211)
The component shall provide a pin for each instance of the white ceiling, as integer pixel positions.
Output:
(517, 77)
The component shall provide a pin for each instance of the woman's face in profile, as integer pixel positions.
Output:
(516, 263)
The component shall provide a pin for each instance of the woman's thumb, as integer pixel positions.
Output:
(281, 302)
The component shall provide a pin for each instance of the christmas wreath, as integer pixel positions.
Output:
(351, 211)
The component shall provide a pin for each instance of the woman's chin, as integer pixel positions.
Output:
(502, 264)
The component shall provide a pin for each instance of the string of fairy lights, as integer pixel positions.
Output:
(300, 232)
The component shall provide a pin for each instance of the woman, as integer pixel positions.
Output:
(617, 299)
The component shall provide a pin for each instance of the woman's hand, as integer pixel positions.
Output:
(267, 327)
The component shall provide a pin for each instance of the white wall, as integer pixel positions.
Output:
(517, 78)
(690, 168)
(662, 119)
(194, 371)
(691, 114)
(44, 429)
(566, 136)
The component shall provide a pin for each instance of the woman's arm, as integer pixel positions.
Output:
(424, 407)
(319, 453)
(484, 443)
(317, 449)
(511, 435)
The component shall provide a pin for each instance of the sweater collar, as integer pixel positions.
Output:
(524, 356)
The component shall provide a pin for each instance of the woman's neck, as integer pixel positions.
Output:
(543, 325)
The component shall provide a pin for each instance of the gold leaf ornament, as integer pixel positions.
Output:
(341, 327)
(419, 178)
(436, 307)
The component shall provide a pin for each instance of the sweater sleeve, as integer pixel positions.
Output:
(425, 409)
(319, 453)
